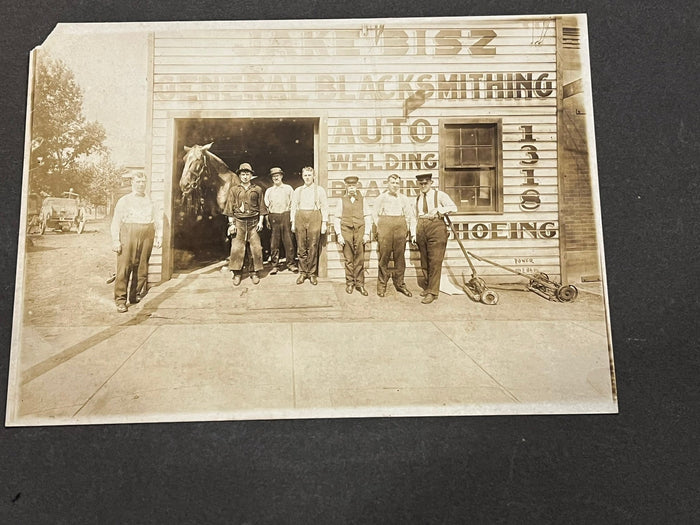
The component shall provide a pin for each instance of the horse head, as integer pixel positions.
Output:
(195, 168)
(205, 181)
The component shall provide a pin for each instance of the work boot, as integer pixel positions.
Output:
(381, 291)
(121, 308)
(423, 293)
(362, 290)
(349, 288)
(402, 289)
(274, 270)
(236, 279)
(255, 278)
(429, 298)
(313, 279)
(301, 278)
(293, 268)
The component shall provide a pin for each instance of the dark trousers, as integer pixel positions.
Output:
(354, 253)
(391, 234)
(132, 261)
(281, 227)
(246, 232)
(308, 233)
(431, 238)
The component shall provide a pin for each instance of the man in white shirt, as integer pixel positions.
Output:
(431, 233)
(136, 227)
(278, 199)
(309, 216)
(394, 217)
(353, 223)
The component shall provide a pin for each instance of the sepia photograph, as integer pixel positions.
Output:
(291, 219)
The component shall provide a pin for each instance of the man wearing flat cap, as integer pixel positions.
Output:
(278, 199)
(352, 222)
(394, 217)
(246, 210)
(431, 233)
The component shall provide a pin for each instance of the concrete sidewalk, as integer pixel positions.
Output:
(197, 348)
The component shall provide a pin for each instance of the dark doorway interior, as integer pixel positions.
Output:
(264, 143)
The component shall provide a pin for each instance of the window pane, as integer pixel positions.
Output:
(469, 178)
(485, 135)
(469, 157)
(468, 136)
(452, 157)
(452, 136)
(467, 197)
(485, 188)
(486, 156)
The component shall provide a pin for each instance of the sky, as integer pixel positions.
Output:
(110, 63)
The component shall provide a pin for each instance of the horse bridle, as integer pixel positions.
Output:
(195, 176)
(192, 194)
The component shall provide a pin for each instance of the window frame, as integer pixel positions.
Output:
(497, 124)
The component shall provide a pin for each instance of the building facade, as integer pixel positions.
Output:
(479, 103)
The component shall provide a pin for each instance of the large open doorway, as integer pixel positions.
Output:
(262, 142)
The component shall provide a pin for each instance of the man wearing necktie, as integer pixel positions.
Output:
(352, 223)
(431, 233)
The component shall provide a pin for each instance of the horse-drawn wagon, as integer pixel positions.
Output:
(62, 213)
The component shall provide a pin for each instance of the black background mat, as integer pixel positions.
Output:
(640, 466)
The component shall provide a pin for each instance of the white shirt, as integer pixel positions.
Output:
(308, 198)
(445, 204)
(278, 199)
(135, 209)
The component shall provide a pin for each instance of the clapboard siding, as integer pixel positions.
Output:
(355, 78)
(278, 67)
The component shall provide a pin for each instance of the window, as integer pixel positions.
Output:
(472, 165)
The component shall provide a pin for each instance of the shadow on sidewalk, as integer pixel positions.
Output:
(52, 362)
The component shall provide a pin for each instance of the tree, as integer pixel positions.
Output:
(103, 179)
(60, 133)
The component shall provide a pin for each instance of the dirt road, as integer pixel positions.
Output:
(65, 276)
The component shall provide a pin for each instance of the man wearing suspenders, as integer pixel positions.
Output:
(394, 217)
(431, 233)
(309, 216)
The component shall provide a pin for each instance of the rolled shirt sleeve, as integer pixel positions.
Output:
(445, 203)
